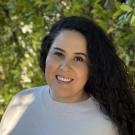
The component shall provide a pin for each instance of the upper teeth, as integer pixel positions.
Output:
(63, 79)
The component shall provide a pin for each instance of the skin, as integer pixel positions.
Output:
(67, 60)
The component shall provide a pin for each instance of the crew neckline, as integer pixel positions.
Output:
(53, 105)
(77, 102)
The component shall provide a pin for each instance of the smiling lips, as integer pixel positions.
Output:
(64, 79)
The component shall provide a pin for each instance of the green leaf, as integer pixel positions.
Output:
(116, 14)
(125, 7)
(132, 21)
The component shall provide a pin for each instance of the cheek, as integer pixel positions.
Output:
(83, 73)
(49, 72)
(50, 67)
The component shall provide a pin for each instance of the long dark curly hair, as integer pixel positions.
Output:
(108, 82)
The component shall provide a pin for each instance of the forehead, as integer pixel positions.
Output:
(70, 40)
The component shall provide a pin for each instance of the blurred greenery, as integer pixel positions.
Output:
(23, 23)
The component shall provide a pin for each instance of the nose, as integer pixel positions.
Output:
(65, 65)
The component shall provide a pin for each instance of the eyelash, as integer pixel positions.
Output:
(58, 54)
(77, 58)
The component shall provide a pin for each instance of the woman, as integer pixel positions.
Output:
(88, 91)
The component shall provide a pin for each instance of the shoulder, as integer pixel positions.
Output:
(23, 99)
(33, 90)
(27, 96)
(30, 91)
(21, 102)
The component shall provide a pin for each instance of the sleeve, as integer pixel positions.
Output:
(10, 117)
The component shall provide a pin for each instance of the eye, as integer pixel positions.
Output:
(58, 54)
(79, 59)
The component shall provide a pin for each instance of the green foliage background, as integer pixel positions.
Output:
(23, 23)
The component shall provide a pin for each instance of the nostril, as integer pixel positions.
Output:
(65, 65)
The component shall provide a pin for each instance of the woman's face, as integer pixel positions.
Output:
(66, 69)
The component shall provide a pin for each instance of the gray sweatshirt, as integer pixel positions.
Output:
(34, 112)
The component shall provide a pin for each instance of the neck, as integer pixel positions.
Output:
(72, 99)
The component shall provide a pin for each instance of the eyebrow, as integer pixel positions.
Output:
(78, 53)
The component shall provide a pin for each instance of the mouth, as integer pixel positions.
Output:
(64, 79)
